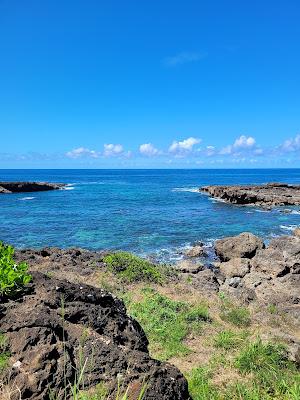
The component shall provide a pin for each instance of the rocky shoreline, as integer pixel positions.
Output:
(23, 187)
(61, 317)
(268, 195)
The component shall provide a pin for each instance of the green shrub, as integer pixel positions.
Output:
(13, 276)
(167, 322)
(132, 268)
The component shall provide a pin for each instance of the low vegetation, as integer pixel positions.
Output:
(132, 268)
(4, 352)
(228, 339)
(236, 315)
(167, 322)
(267, 373)
(13, 276)
(233, 363)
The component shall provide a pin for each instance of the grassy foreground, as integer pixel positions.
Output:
(214, 341)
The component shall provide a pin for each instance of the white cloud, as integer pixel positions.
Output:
(226, 150)
(244, 142)
(291, 145)
(184, 146)
(210, 151)
(183, 58)
(113, 150)
(81, 152)
(147, 149)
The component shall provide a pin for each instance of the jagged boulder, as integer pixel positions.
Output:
(244, 245)
(271, 276)
(58, 329)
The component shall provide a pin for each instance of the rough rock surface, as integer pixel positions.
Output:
(244, 245)
(56, 324)
(205, 281)
(195, 251)
(236, 267)
(271, 276)
(297, 232)
(272, 194)
(189, 267)
(19, 187)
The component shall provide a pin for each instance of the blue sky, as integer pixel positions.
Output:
(162, 84)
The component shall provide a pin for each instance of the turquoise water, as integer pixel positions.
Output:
(144, 211)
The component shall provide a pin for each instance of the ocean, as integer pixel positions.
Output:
(148, 212)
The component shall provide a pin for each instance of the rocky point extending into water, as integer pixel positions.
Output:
(271, 194)
(20, 187)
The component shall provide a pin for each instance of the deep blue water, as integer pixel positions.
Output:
(143, 211)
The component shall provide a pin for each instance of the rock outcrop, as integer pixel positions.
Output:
(270, 275)
(195, 251)
(244, 245)
(272, 194)
(20, 187)
(58, 329)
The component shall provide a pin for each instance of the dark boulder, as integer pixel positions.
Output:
(270, 195)
(20, 187)
(59, 329)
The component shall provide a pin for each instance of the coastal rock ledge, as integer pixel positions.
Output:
(20, 187)
(271, 194)
(58, 328)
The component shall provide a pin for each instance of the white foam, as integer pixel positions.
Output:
(295, 212)
(217, 200)
(288, 227)
(69, 188)
(27, 198)
(261, 211)
(186, 189)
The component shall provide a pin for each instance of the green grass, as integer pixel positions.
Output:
(4, 352)
(238, 316)
(265, 371)
(269, 364)
(132, 268)
(167, 322)
(272, 309)
(200, 386)
(228, 340)
(13, 276)
(100, 392)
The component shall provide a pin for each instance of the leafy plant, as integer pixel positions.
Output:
(13, 276)
(132, 268)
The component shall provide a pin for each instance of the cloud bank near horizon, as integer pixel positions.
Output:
(244, 150)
